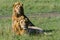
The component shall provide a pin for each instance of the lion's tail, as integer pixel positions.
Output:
(48, 32)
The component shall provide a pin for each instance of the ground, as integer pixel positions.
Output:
(46, 21)
(43, 13)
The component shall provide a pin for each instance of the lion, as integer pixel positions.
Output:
(20, 26)
(18, 17)
(22, 22)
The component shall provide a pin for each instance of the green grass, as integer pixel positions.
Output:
(31, 7)
(43, 22)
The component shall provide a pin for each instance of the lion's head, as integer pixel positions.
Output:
(23, 22)
(18, 8)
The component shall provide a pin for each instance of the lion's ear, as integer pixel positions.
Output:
(14, 5)
(22, 4)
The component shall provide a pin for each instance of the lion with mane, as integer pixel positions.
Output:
(18, 19)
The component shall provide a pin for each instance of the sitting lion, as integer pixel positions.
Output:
(20, 25)
(18, 16)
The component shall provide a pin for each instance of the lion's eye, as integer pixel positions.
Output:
(17, 6)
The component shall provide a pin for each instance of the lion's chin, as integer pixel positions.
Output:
(24, 28)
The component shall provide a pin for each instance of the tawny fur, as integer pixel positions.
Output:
(17, 16)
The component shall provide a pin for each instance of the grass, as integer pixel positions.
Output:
(43, 22)
(31, 7)
(35, 6)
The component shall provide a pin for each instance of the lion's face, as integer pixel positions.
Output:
(23, 24)
(18, 7)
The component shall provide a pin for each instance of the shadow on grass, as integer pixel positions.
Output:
(49, 30)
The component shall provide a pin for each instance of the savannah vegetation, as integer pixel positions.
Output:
(42, 13)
